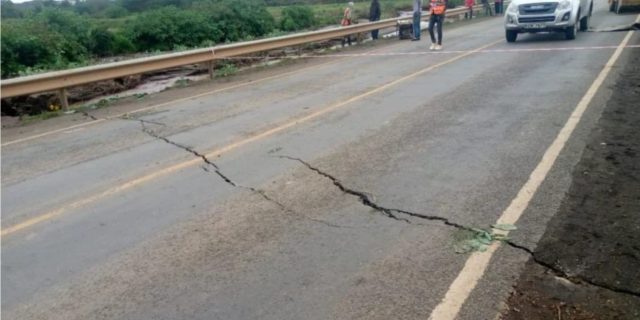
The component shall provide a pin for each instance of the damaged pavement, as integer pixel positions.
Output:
(394, 214)
(334, 197)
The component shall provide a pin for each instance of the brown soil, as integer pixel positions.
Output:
(596, 234)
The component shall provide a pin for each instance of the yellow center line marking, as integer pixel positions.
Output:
(215, 153)
(476, 265)
(200, 95)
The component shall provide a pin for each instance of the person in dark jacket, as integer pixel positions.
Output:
(487, 8)
(374, 15)
(498, 6)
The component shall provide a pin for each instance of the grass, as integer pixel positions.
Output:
(26, 119)
(226, 70)
(181, 83)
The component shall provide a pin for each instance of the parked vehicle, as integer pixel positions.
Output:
(532, 16)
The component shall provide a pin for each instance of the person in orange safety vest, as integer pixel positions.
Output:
(437, 9)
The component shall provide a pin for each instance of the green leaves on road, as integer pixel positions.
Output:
(475, 239)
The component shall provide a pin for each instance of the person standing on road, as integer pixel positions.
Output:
(346, 21)
(437, 9)
(498, 7)
(417, 15)
(374, 15)
(487, 8)
(469, 4)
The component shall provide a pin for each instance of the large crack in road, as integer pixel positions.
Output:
(88, 115)
(389, 212)
(231, 182)
(364, 199)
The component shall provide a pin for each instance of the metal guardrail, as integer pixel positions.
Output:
(60, 80)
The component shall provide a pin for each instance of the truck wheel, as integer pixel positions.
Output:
(584, 24)
(511, 35)
(570, 33)
(618, 6)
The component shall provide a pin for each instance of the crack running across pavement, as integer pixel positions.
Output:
(364, 199)
(575, 279)
(389, 212)
(228, 180)
(90, 116)
(185, 148)
(142, 121)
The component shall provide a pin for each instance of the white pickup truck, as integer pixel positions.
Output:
(566, 16)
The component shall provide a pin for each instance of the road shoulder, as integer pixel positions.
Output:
(595, 237)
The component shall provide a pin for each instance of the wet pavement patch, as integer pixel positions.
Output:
(596, 233)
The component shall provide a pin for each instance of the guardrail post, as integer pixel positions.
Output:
(211, 69)
(63, 97)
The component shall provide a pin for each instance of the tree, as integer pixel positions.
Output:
(9, 10)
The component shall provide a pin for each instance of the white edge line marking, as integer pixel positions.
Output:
(478, 262)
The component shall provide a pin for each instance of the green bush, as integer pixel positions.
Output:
(297, 18)
(75, 29)
(455, 3)
(29, 44)
(165, 28)
(55, 38)
(237, 19)
(122, 44)
(226, 70)
(115, 11)
(101, 42)
(207, 22)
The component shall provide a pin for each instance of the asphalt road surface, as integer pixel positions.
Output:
(319, 192)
